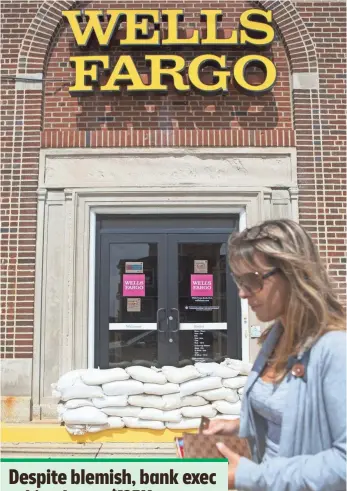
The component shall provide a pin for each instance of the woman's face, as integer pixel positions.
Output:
(270, 302)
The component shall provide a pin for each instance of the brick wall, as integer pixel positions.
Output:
(311, 37)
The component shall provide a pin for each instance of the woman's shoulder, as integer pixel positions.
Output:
(332, 343)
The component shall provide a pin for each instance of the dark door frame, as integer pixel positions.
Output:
(168, 238)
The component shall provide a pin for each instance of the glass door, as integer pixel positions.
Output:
(164, 293)
(133, 298)
(204, 306)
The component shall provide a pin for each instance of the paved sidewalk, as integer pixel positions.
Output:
(87, 450)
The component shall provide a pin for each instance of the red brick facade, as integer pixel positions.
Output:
(310, 38)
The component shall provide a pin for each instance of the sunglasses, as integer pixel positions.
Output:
(253, 282)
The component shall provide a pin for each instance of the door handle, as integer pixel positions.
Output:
(176, 318)
(159, 321)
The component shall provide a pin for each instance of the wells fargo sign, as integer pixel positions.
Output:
(143, 29)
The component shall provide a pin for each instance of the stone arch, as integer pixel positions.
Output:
(35, 44)
(294, 34)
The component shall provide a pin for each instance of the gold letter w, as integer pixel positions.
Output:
(93, 24)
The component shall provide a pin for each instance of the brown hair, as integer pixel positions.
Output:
(312, 307)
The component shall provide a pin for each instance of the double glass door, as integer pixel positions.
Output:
(164, 294)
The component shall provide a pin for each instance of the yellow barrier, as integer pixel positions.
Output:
(53, 433)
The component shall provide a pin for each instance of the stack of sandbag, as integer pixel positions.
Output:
(92, 400)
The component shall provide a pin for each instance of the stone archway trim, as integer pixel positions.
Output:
(295, 36)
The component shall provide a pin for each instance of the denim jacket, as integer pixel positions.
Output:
(312, 450)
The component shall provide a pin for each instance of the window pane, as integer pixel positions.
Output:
(133, 302)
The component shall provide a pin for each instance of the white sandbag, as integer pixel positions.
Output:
(95, 376)
(75, 403)
(172, 401)
(161, 389)
(240, 390)
(140, 423)
(228, 417)
(219, 394)
(193, 401)
(179, 375)
(61, 410)
(243, 367)
(107, 401)
(236, 382)
(225, 407)
(80, 391)
(216, 370)
(184, 424)
(125, 387)
(115, 422)
(148, 375)
(70, 378)
(194, 386)
(199, 411)
(85, 415)
(97, 428)
(76, 429)
(175, 401)
(158, 415)
(122, 411)
(145, 400)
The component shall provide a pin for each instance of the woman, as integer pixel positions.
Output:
(294, 404)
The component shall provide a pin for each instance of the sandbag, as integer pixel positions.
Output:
(229, 417)
(60, 411)
(140, 423)
(107, 401)
(179, 375)
(158, 415)
(161, 389)
(199, 411)
(125, 387)
(81, 391)
(122, 411)
(216, 370)
(243, 367)
(235, 383)
(115, 422)
(146, 401)
(148, 375)
(194, 386)
(219, 394)
(225, 407)
(184, 424)
(76, 429)
(70, 378)
(240, 390)
(84, 415)
(175, 401)
(97, 428)
(95, 376)
(75, 403)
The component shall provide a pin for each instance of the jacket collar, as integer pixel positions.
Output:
(264, 354)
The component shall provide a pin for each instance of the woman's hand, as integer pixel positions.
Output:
(233, 459)
(222, 427)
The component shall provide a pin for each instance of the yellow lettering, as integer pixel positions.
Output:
(222, 76)
(82, 72)
(247, 23)
(124, 63)
(212, 17)
(137, 22)
(158, 71)
(93, 25)
(266, 64)
(173, 17)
